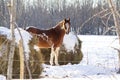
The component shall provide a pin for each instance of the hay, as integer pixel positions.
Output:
(35, 60)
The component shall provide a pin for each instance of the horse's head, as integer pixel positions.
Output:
(66, 25)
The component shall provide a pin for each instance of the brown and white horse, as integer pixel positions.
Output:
(52, 38)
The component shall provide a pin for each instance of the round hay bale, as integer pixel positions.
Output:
(35, 59)
(73, 56)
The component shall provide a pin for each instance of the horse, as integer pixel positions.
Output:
(51, 38)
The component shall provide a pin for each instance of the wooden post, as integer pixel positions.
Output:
(12, 45)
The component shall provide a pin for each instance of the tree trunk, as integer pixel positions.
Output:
(117, 25)
(21, 52)
(12, 46)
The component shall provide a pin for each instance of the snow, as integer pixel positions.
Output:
(26, 38)
(100, 61)
(4, 31)
(100, 48)
(69, 41)
(25, 35)
(73, 71)
(36, 48)
(2, 77)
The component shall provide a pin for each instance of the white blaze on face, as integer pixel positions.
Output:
(67, 25)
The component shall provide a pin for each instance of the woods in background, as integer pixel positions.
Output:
(46, 13)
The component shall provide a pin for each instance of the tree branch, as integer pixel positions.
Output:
(22, 55)
(80, 28)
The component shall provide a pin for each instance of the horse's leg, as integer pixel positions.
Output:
(56, 55)
(52, 55)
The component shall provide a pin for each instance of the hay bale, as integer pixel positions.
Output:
(35, 59)
(4, 49)
(73, 56)
(35, 63)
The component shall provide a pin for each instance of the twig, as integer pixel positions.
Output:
(105, 14)
(116, 49)
(113, 27)
(118, 57)
(4, 18)
(79, 29)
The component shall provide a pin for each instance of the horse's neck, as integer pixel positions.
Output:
(60, 32)
(58, 26)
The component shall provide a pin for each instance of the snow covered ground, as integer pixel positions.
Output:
(100, 61)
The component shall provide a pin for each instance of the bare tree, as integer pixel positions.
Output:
(116, 22)
(12, 46)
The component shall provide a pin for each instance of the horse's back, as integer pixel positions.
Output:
(39, 31)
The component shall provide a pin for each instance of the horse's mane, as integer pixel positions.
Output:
(58, 25)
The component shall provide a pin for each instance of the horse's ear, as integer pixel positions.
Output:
(68, 19)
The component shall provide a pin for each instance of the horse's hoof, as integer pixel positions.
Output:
(51, 64)
(57, 64)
